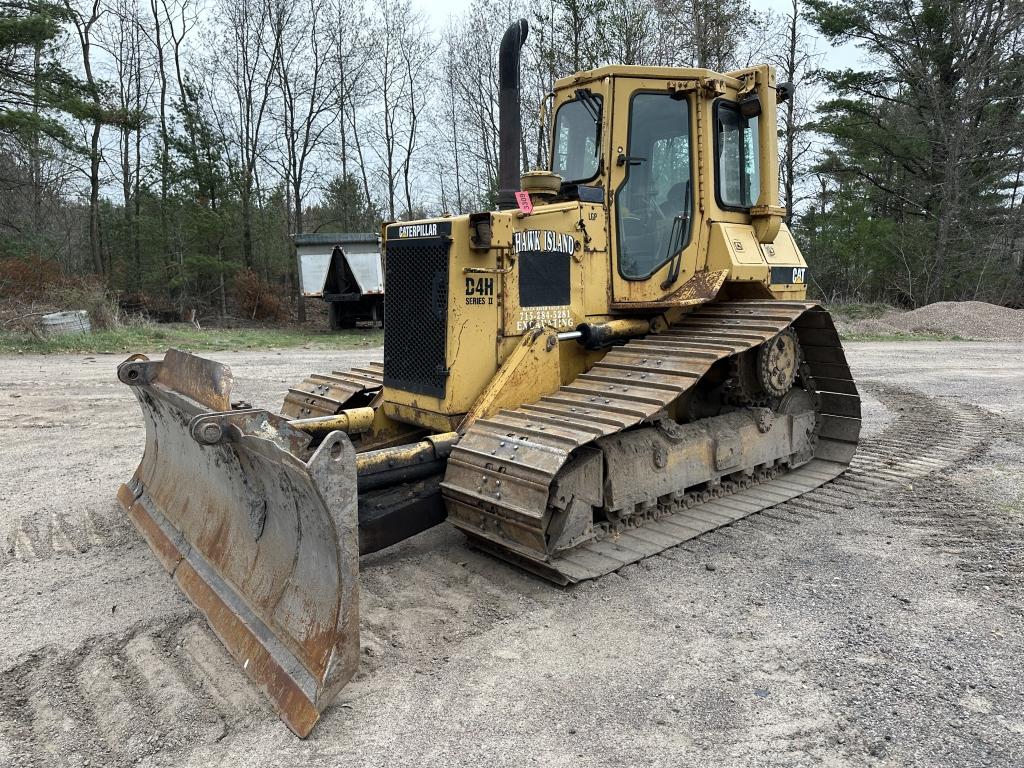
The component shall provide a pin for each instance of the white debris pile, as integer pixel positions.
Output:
(76, 321)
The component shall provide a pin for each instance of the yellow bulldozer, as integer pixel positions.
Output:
(617, 359)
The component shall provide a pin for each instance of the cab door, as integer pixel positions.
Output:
(652, 213)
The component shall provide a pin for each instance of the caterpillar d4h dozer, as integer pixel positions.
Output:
(619, 358)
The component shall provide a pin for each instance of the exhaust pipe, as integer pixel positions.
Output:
(510, 129)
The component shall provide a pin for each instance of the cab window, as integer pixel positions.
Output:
(737, 178)
(654, 202)
(577, 139)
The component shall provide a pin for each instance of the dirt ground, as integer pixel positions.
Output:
(876, 621)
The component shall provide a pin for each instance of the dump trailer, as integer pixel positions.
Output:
(619, 358)
(345, 270)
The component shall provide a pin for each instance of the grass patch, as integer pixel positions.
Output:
(158, 338)
(1013, 508)
(860, 311)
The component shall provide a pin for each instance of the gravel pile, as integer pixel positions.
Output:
(969, 319)
(964, 319)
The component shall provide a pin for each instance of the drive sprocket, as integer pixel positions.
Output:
(778, 361)
(744, 385)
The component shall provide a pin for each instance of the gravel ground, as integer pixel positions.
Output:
(877, 621)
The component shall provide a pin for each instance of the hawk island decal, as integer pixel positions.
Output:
(543, 241)
(544, 258)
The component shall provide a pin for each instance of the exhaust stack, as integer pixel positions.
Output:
(510, 129)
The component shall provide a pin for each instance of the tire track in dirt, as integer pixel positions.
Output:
(988, 544)
(44, 535)
(906, 474)
(118, 698)
(926, 436)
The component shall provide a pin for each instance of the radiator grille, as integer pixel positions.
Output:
(416, 305)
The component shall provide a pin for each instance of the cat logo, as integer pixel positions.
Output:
(788, 276)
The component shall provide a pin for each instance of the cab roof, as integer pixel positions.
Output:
(652, 73)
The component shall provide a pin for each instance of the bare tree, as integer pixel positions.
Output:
(351, 51)
(307, 97)
(415, 54)
(703, 33)
(85, 21)
(172, 20)
(124, 40)
(467, 124)
(398, 79)
(389, 80)
(792, 52)
(631, 31)
(248, 52)
(164, 149)
(306, 92)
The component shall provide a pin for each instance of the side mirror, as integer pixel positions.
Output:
(750, 106)
(784, 92)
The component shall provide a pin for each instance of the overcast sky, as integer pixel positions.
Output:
(438, 12)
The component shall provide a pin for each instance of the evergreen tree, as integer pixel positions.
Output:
(346, 209)
(933, 138)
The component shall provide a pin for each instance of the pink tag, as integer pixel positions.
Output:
(525, 204)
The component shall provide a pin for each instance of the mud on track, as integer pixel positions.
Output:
(877, 620)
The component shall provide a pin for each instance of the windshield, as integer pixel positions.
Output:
(653, 204)
(577, 139)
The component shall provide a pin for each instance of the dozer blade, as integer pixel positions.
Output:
(259, 531)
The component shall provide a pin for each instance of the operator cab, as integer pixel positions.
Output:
(633, 132)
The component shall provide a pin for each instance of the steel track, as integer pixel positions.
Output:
(322, 394)
(499, 476)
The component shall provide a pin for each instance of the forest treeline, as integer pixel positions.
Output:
(170, 148)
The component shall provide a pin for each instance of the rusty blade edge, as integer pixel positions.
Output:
(267, 662)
